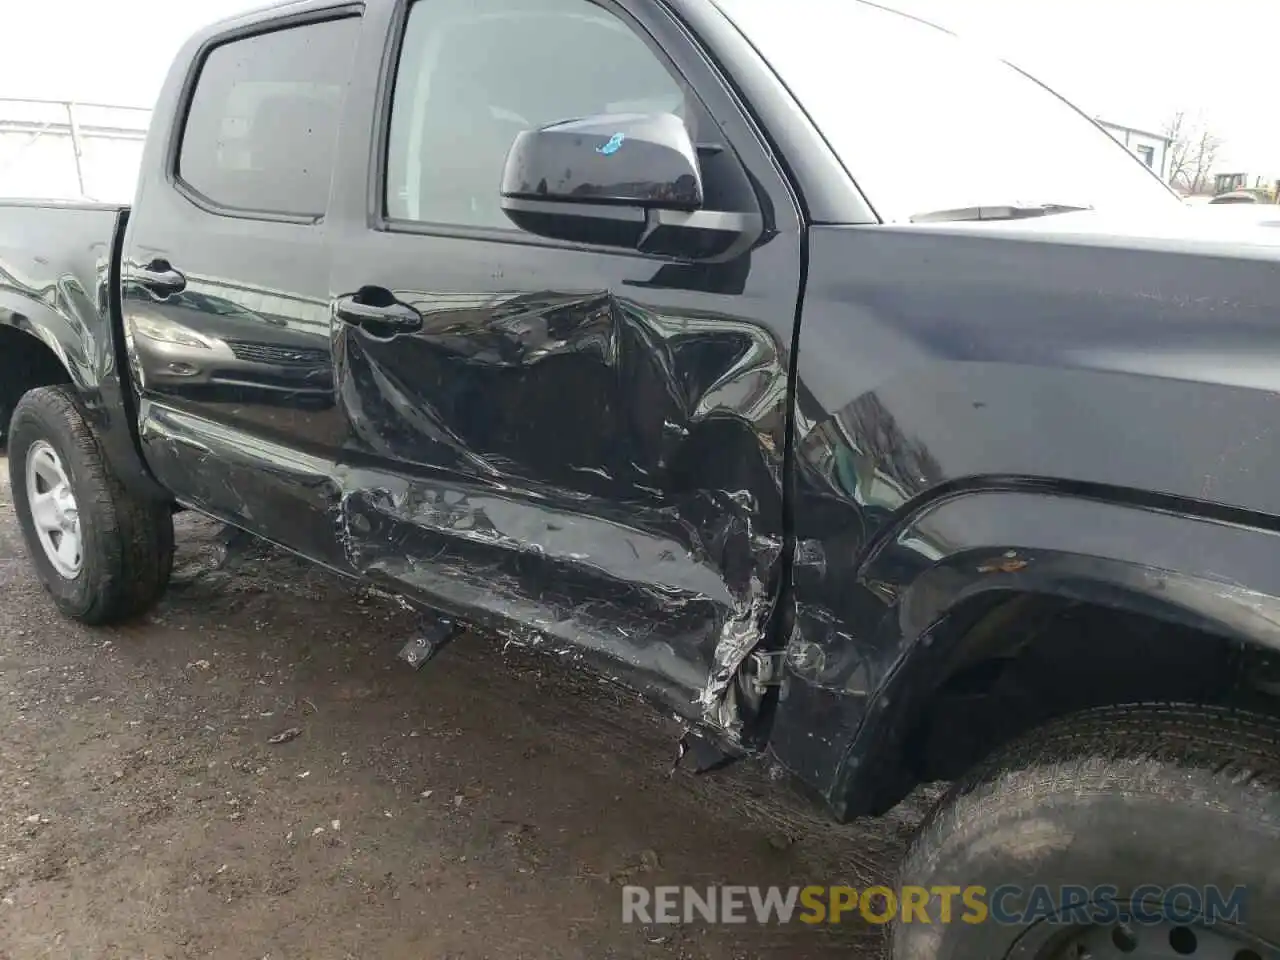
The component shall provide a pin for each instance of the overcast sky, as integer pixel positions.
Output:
(1133, 62)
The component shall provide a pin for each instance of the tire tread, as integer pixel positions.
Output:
(135, 535)
(1152, 757)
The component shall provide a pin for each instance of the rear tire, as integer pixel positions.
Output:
(1154, 794)
(125, 542)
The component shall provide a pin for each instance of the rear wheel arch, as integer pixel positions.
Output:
(39, 348)
(26, 362)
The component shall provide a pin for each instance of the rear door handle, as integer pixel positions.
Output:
(378, 311)
(160, 278)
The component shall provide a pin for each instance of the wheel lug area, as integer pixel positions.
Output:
(54, 508)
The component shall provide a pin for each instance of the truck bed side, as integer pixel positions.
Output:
(60, 317)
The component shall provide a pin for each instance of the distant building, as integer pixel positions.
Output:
(1151, 148)
(1266, 185)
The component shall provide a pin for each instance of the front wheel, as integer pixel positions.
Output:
(1134, 832)
(101, 552)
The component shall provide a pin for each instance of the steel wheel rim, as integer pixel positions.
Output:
(1126, 941)
(53, 509)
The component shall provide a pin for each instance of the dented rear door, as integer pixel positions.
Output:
(580, 447)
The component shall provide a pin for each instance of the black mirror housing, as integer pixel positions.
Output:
(630, 181)
(637, 160)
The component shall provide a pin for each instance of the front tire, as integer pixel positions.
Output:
(103, 553)
(1160, 795)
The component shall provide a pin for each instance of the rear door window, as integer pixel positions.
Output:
(262, 126)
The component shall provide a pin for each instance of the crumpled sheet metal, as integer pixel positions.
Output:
(579, 471)
(588, 470)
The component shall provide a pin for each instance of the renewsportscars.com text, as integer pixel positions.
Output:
(1068, 904)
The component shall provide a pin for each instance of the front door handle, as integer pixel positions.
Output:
(160, 278)
(378, 311)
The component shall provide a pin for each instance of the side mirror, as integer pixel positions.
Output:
(636, 159)
(618, 180)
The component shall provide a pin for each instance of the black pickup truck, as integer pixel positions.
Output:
(842, 390)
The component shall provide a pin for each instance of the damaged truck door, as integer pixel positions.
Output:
(572, 432)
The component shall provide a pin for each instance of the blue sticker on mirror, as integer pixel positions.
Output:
(612, 147)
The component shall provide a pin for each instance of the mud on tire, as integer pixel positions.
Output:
(1131, 795)
(126, 541)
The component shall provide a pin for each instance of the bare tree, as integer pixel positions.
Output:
(1179, 149)
(1193, 150)
(1206, 152)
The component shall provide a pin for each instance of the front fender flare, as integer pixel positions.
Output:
(1215, 573)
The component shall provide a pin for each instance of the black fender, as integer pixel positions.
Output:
(1189, 564)
(42, 323)
(60, 285)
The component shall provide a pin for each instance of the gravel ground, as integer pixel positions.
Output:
(492, 805)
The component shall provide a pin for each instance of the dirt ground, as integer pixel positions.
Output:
(492, 805)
